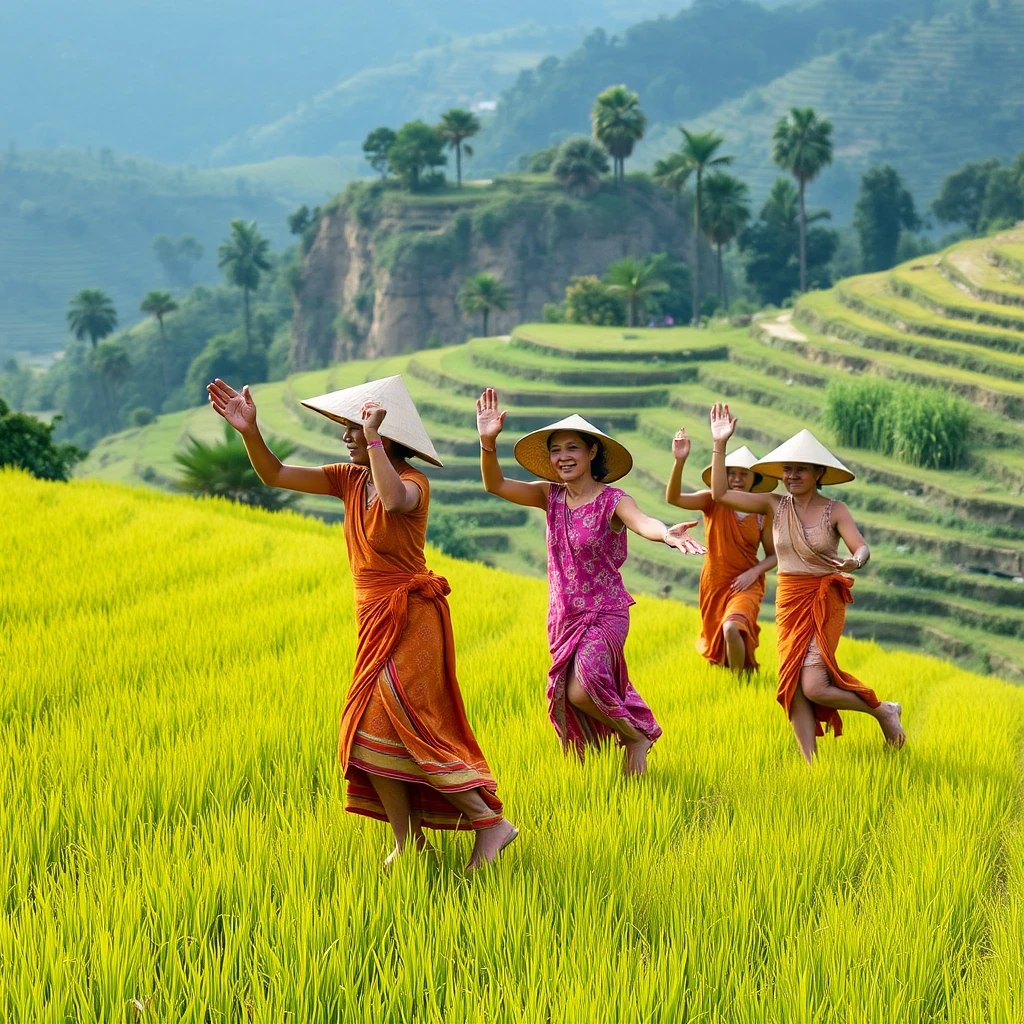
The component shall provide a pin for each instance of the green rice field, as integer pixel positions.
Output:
(175, 847)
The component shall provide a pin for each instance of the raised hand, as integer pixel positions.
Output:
(722, 424)
(678, 536)
(238, 409)
(680, 444)
(372, 415)
(489, 421)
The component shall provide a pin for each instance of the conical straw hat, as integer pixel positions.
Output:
(744, 458)
(531, 450)
(804, 447)
(402, 422)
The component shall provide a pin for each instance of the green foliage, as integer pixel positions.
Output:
(15, 382)
(417, 150)
(483, 293)
(726, 213)
(884, 209)
(376, 146)
(579, 166)
(229, 357)
(178, 256)
(588, 300)
(141, 416)
(538, 162)
(243, 257)
(963, 193)
(922, 426)
(91, 314)
(158, 305)
(618, 124)
(456, 126)
(772, 246)
(299, 220)
(1003, 204)
(421, 252)
(449, 532)
(637, 282)
(223, 470)
(27, 443)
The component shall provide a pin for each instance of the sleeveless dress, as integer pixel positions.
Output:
(732, 541)
(588, 620)
(810, 607)
(403, 717)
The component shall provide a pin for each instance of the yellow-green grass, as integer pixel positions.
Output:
(970, 265)
(924, 283)
(676, 343)
(174, 832)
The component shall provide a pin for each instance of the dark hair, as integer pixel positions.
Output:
(400, 451)
(599, 463)
(757, 480)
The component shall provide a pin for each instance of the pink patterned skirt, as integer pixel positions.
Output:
(592, 645)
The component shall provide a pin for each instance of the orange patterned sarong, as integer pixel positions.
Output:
(403, 716)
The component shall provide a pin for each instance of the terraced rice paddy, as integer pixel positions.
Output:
(948, 545)
(175, 848)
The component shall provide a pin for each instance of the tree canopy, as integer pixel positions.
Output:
(482, 293)
(243, 257)
(92, 314)
(27, 443)
(417, 150)
(884, 208)
(636, 281)
(618, 124)
(579, 165)
(456, 126)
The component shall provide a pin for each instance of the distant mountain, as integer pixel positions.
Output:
(172, 81)
(73, 220)
(925, 97)
(682, 66)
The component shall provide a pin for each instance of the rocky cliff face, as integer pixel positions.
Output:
(384, 269)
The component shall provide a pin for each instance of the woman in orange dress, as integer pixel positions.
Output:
(814, 585)
(732, 580)
(407, 751)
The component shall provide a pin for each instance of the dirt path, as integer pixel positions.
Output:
(782, 328)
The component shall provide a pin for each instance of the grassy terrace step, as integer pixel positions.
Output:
(455, 374)
(1003, 397)
(574, 341)
(889, 566)
(497, 355)
(968, 266)
(873, 296)
(826, 313)
(1007, 253)
(925, 285)
(741, 380)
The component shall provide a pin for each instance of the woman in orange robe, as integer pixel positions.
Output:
(814, 585)
(408, 753)
(732, 581)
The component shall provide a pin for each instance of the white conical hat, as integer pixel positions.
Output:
(744, 458)
(402, 422)
(805, 447)
(531, 450)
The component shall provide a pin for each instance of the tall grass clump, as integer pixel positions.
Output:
(175, 846)
(923, 426)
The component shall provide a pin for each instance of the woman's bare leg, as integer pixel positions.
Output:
(634, 742)
(394, 795)
(801, 717)
(735, 645)
(818, 687)
(488, 842)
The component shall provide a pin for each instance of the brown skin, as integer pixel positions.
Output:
(739, 480)
(571, 459)
(399, 497)
(801, 481)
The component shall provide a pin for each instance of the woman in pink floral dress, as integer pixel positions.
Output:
(590, 696)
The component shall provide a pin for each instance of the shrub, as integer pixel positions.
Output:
(589, 301)
(141, 416)
(923, 426)
(447, 531)
(27, 443)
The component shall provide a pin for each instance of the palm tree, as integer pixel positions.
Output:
(223, 470)
(803, 147)
(92, 313)
(456, 126)
(699, 150)
(160, 304)
(619, 124)
(111, 362)
(243, 257)
(481, 293)
(726, 212)
(673, 172)
(579, 165)
(636, 281)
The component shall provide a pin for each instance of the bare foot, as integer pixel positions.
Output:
(490, 842)
(636, 755)
(889, 715)
(422, 847)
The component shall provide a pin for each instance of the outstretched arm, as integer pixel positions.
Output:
(489, 423)
(240, 411)
(698, 501)
(852, 538)
(722, 428)
(649, 528)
